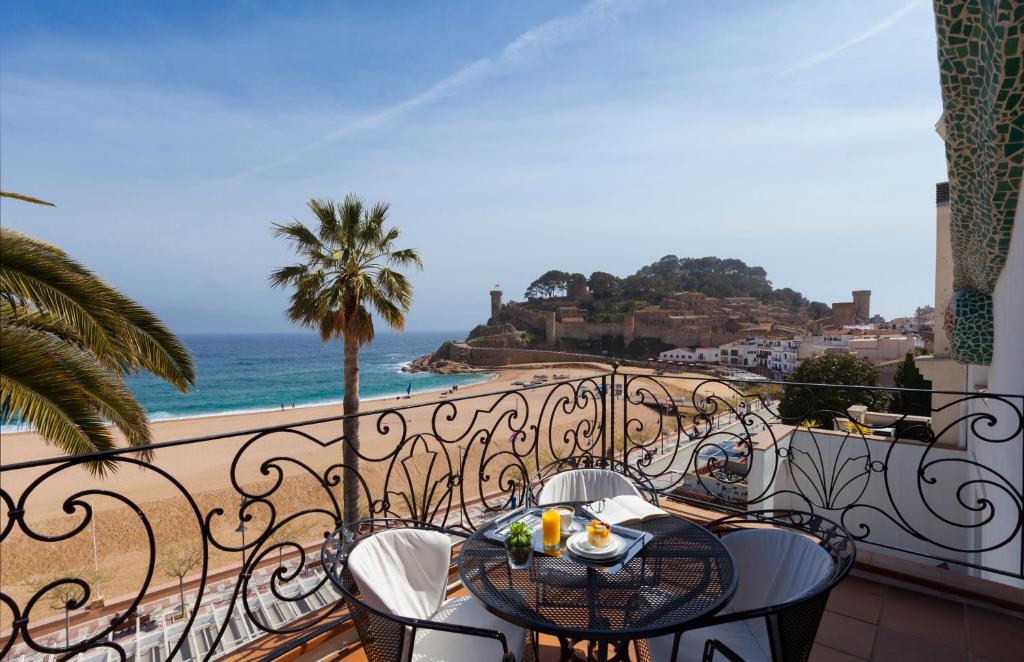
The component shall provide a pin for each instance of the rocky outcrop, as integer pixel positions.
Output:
(484, 330)
(448, 359)
(440, 367)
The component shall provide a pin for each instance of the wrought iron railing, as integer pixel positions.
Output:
(214, 540)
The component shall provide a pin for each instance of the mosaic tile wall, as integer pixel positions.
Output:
(981, 49)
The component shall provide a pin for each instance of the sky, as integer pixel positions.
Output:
(510, 138)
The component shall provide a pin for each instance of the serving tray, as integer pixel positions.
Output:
(634, 539)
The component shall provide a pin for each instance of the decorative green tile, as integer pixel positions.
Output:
(981, 72)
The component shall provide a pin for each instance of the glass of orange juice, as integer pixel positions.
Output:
(551, 521)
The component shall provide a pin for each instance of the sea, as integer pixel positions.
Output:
(262, 372)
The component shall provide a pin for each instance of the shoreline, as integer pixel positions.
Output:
(490, 376)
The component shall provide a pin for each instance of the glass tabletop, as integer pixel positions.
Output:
(681, 576)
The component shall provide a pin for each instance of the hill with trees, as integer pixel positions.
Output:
(712, 276)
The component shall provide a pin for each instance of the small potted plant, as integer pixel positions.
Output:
(519, 545)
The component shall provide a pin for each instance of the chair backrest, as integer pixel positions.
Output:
(402, 571)
(775, 567)
(585, 485)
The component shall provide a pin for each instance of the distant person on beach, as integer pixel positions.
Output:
(282, 407)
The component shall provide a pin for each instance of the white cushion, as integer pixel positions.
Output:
(774, 566)
(403, 571)
(748, 638)
(585, 485)
(435, 646)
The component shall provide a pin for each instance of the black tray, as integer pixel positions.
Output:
(635, 540)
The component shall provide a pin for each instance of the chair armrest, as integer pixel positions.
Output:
(467, 630)
(712, 646)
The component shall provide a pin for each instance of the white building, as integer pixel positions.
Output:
(749, 353)
(785, 356)
(905, 324)
(698, 355)
(883, 348)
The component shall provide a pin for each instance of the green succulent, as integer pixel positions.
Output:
(518, 535)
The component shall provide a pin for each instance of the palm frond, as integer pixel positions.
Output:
(68, 340)
(34, 271)
(406, 257)
(25, 198)
(147, 344)
(34, 357)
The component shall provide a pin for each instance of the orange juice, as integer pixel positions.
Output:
(551, 521)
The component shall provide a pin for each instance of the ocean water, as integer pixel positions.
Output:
(257, 372)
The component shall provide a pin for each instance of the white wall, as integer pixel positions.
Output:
(833, 474)
(1006, 375)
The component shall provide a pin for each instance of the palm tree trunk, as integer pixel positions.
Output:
(350, 428)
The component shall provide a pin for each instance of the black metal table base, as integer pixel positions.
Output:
(596, 651)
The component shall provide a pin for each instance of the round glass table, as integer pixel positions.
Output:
(682, 576)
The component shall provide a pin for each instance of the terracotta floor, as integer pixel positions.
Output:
(866, 620)
(871, 621)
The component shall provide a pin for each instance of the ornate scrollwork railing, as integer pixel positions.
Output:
(942, 483)
(214, 541)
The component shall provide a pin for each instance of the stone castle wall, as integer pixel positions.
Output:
(524, 318)
(493, 357)
(588, 330)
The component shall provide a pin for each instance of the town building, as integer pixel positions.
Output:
(696, 355)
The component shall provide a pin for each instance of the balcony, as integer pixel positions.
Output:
(934, 502)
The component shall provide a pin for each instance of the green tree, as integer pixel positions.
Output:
(828, 404)
(575, 286)
(908, 376)
(789, 298)
(177, 560)
(604, 285)
(68, 340)
(552, 284)
(348, 267)
(817, 309)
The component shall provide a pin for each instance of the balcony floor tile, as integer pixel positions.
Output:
(845, 634)
(902, 647)
(928, 617)
(858, 598)
(994, 636)
(822, 653)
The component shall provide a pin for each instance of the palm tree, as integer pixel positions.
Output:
(68, 340)
(347, 266)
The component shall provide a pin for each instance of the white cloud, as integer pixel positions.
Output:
(550, 33)
(881, 26)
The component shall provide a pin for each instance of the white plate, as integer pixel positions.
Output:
(578, 544)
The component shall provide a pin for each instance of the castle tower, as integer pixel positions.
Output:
(862, 304)
(550, 327)
(495, 306)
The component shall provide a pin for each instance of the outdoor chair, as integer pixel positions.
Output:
(586, 479)
(787, 563)
(393, 575)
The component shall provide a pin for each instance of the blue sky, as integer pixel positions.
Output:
(509, 137)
